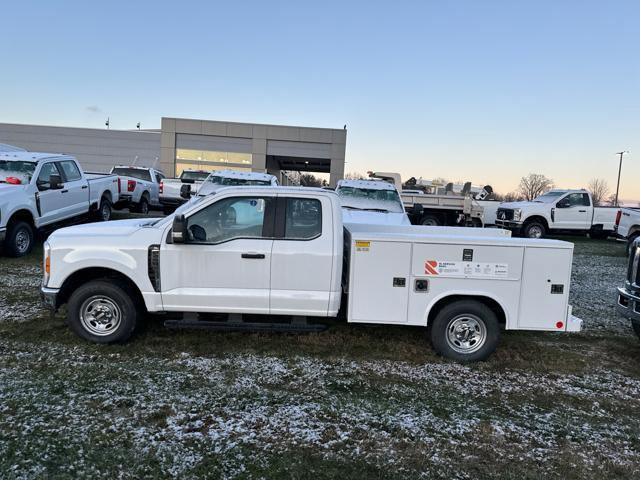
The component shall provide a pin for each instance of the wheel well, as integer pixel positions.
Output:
(95, 273)
(489, 302)
(542, 220)
(21, 215)
(145, 195)
(633, 230)
(106, 196)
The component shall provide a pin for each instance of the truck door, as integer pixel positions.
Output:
(50, 202)
(302, 257)
(225, 263)
(573, 211)
(75, 191)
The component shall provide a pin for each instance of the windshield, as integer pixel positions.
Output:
(548, 197)
(18, 169)
(195, 176)
(133, 173)
(370, 199)
(218, 180)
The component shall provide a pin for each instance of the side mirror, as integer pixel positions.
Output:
(55, 182)
(417, 209)
(564, 203)
(179, 229)
(185, 192)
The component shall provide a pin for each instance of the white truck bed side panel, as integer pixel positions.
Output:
(539, 308)
(494, 272)
(373, 297)
(606, 216)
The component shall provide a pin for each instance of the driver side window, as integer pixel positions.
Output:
(228, 219)
(46, 171)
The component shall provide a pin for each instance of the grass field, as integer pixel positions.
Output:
(351, 402)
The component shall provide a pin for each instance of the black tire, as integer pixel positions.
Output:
(636, 326)
(20, 239)
(143, 206)
(430, 221)
(469, 316)
(599, 234)
(168, 210)
(534, 229)
(630, 241)
(111, 303)
(104, 211)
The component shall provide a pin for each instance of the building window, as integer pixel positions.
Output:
(207, 167)
(211, 156)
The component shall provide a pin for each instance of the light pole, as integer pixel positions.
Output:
(619, 171)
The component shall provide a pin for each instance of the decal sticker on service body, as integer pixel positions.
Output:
(362, 245)
(466, 269)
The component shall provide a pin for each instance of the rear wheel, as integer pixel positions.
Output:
(104, 212)
(430, 221)
(20, 239)
(143, 206)
(534, 230)
(466, 331)
(102, 312)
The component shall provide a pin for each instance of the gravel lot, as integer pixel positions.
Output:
(352, 402)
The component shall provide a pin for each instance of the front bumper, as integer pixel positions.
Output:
(49, 298)
(509, 224)
(628, 303)
(3, 234)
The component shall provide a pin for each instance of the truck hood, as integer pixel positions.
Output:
(374, 218)
(7, 189)
(113, 228)
(518, 204)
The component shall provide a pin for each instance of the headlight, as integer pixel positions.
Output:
(517, 214)
(46, 267)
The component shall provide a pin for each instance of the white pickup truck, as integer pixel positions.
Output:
(41, 191)
(285, 251)
(557, 210)
(371, 201)
(628, 225)
(139, 188)
(170, 188)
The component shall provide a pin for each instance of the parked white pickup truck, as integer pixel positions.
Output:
(40, 191)
(371, 201)
(139, 188)
(557, 210)
(285, 251)
(628, 225)
(170, 188)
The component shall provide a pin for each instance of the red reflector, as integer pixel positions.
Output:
(559, 324)
(13, 180)
(618, 215)
(131, 185)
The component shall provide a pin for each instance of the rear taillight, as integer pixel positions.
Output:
(47, 264)
(131, 185)
(119, 187)
(161, 187)
(618, 215)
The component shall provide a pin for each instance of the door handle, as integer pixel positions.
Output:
(64, 191)
(582, 211)
(253, 255)
(85, 187)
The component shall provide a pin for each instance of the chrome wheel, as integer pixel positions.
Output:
(105, 212)
(466, 333)
(144, 207)
(534, 231)
(100, 315)
(23, 241)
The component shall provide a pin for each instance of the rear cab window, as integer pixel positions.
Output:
(139, 173)
(303, 219)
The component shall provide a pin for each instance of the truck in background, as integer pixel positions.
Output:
(285, 251)
(628, 225)
(438, 209)
(371, 201)
(170, 188)
(556, 211)
(139, 187)
(42, 191)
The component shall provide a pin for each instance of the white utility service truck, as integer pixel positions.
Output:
(42, 191)
(139, 187)
(285, 251)
(371, 201)
(557, 210)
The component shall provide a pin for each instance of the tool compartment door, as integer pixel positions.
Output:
(545, 270)
(379, 281)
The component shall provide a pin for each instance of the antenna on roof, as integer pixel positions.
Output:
(138, 125)
(107, 123)
(135, 160)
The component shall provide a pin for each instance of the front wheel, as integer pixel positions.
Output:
(102, 312)
(534, 230)
(466, 331)
(430, 221)
(20, 239)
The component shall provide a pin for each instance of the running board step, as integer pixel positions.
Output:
(244, 326)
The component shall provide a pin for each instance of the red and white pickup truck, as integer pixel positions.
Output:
(42, 191)
(139, 188)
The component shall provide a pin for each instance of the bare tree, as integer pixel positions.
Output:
(309, 180)
(513, 197)
(599, 190)
(534, 185)
(355, 176)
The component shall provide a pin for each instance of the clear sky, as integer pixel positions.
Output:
(481, 90)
